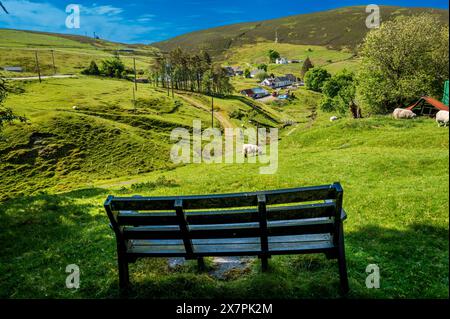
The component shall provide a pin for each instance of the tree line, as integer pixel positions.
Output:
(404, 59)
(180, 70)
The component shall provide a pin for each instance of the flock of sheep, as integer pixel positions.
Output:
(441, 116)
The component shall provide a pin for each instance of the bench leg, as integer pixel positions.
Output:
(124, 279)
(201, 264)
(264, 264)
(342, 263)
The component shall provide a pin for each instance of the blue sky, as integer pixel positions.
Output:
(155, 20)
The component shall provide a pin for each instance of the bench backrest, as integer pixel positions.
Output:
(306, 210)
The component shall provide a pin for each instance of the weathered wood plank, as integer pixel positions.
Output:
(225, 200)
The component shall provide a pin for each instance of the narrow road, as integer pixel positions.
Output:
(26, 78)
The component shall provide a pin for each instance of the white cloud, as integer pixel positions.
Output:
(101, 10)
(106, 21)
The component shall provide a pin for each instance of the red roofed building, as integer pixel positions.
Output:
(427, 106)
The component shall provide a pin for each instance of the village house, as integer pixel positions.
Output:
(281, 61)
(280, 81)
(255, 93)
(237, 71)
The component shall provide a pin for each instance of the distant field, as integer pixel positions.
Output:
(248, 56)
(104, 137)
(17, 48)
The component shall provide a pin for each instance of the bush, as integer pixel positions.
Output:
(316, 78)
(237, 114)
(91, 70)
(113, 67)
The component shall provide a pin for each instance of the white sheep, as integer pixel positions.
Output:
(403, 114)
(251, 149)
(442, 117)
(75, 107)
(333, 118)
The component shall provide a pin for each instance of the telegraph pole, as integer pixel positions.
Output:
(135, 83)
(37, 66)
(212, 111)
(53, 60)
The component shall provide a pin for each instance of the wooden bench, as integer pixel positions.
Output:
(279, 222)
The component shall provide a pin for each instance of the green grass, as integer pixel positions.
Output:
(395, 177)
(104, 137)
(57, 169)
(72, 54)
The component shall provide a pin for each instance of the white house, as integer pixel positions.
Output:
(281, 61)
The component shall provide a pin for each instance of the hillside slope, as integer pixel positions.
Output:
(338, 28)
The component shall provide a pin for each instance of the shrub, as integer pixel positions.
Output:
(316, 78)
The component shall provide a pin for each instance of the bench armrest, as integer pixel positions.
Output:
(343, 215)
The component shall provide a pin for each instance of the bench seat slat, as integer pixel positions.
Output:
(240, 246)
(237, 230)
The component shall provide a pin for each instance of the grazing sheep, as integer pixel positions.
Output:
(251, 149)
(442, 117)
(75, 107)
(403, 114)
(333, 118)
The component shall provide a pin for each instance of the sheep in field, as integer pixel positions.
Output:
(333, 118)
(442, 117)
(403, 114)
(251, 149)
(75, 107)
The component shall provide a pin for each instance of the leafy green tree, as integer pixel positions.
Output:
(273, 55)
(316, 78)
(262, 66)
(402, 60)
(112, 67)
(307, 65)
(92, 69)
(339, 94)
(247, 73)
(6, 114)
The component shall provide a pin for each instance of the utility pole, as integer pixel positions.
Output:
(134, 100)
(37, 66)
(53, 60)
(135, 83)
(212, 110)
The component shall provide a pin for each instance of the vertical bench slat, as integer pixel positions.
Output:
(263, 229)
(183, 227)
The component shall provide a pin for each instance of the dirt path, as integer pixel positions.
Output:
(223, 120)
(26, 78)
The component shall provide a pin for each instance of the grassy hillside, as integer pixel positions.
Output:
(71, 53)
(338, 28)
(104, 137)
(250, 55)
(57, 169)
(395, 176)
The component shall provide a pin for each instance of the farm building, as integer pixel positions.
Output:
(427, 106)
(255, 93)
(12, 68)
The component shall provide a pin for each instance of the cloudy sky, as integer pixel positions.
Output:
(154, 20)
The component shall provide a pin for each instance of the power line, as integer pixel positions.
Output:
(3, 7)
